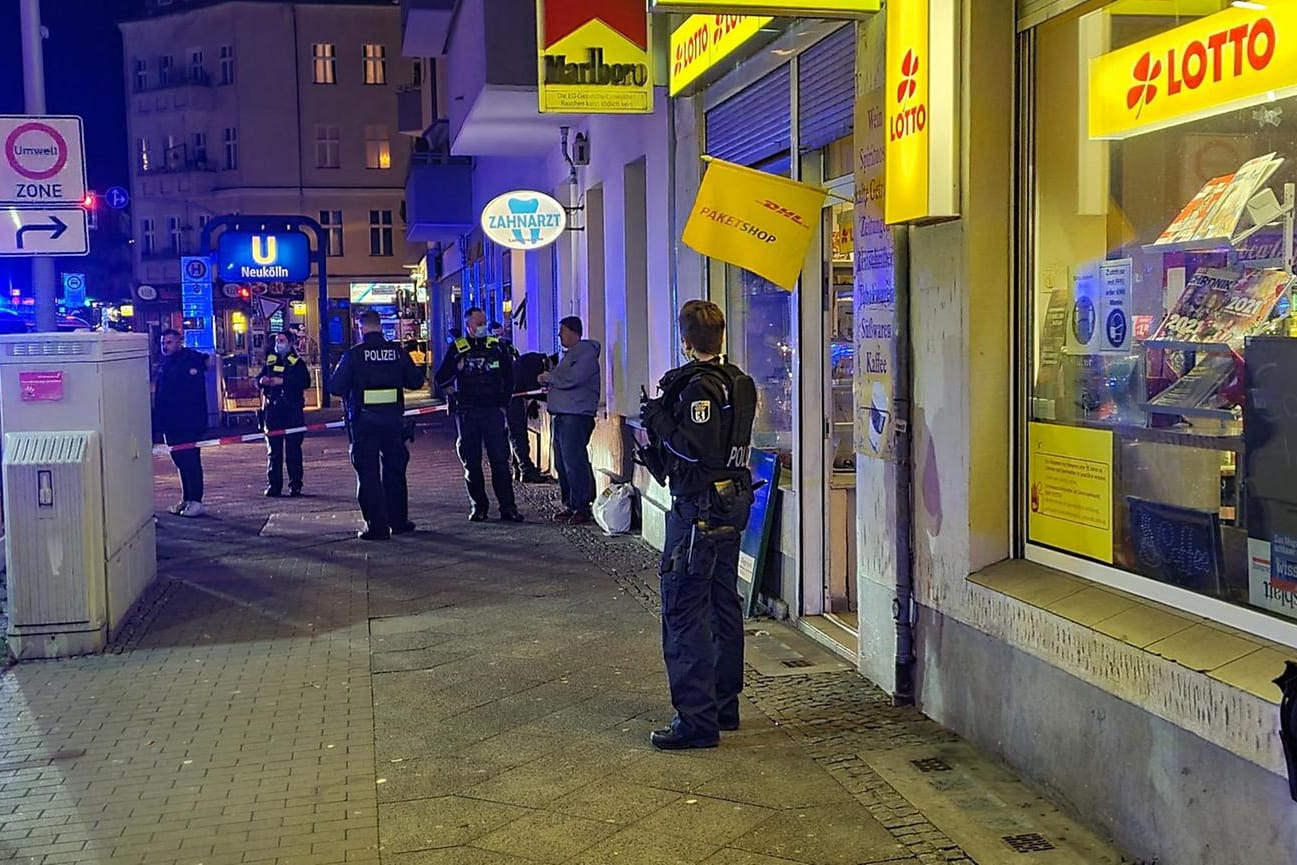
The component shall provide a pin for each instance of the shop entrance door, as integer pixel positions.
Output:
(827, 458)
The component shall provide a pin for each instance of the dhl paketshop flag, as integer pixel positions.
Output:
(757, 221)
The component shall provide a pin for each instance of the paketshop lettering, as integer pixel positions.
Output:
(1230, 53)
(594, 71)
(731, 221)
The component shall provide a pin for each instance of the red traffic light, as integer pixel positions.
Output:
(90, 201)
(245, 293)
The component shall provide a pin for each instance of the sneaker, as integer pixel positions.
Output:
(404, 528)
(193, 509)
(564, 516)
(178, 508)
(513, 516)
(580, 520)
(533, 477)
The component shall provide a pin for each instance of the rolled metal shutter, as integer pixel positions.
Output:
(826, 87)
(755, 124)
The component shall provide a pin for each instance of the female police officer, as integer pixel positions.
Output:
(701, 428)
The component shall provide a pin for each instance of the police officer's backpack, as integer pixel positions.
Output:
(738, 404)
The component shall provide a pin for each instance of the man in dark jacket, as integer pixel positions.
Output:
(372, 377)
(283, 380)
(180, 416)
(573, 397)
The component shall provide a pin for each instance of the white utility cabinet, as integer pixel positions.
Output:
(80, 545)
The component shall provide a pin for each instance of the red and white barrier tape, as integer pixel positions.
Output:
(163, 450)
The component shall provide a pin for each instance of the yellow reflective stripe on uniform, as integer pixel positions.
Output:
(292, 359)
(270, 358)
(492, 342)
(461, 345)
(386, 396)
(278, 368)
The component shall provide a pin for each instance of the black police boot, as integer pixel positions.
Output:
(404, 528)
(372, 535)
(477, 516)
(272, 493)
(513, 516)
(671, 739)
(533, 476)
(295, 492)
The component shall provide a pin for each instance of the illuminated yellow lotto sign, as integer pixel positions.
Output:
(921, 125)
(705, 40)
(791, 8)
(1223, 62)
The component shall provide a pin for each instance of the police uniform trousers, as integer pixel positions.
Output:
(478, 427)
(702, 622)
(379, 455)
(284, 449)
(519, 440)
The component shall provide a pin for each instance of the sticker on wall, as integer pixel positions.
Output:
(524, 220)
(1116, 279)
(1070, 496)
(1084, 328)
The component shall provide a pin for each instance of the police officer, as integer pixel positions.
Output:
(700, 431)
(526, 368)
(283, 380)
(371, 377)
(478, 373)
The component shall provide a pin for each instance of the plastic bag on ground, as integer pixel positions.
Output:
(614, 509)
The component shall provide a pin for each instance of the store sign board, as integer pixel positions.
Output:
(921, 116)
(1070, 475)
(874, 254)
(1223, 62)
(788, 8)
(705, 40)
(524, 220)
(594, 57)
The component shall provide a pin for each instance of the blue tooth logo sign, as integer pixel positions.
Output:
(524, 220)
(282, 257)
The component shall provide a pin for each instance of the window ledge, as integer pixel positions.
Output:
(1231, 657)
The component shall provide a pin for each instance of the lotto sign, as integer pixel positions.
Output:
(921, 126)
(1224, 62)
(44, 161)
(705, 40)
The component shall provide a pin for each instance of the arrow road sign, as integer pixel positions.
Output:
(43, 161)
(117, 197)
(48, 231)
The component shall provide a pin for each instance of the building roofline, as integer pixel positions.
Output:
(185, 6)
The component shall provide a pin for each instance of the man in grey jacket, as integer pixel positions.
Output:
(573, 401)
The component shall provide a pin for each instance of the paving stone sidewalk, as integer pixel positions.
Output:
(475, 694)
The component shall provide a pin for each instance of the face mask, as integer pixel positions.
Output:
(281, 348)
(481, 332)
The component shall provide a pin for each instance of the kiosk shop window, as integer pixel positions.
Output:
(1162, 421)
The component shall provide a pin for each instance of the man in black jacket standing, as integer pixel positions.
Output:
(372, 377)
(283, 380)
(180, 416)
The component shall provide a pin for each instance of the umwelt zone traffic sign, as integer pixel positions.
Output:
(43, 161)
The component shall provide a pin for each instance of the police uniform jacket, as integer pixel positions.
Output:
(480, 371)
(284, 404)
(371, 377)
(697, 424)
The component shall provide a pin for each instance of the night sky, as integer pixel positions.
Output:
(83, 75)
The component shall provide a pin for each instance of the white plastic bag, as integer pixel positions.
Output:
(614, 509)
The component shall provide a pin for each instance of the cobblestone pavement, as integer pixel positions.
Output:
(475, 694)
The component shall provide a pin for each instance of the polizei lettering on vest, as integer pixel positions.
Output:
(269, 271)
(594, 71)
(380, 355)
(523, 220)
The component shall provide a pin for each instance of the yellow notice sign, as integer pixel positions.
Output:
(1223, 62)
(790, 8)
(757, 221)
(705, 40)
(1070, 495)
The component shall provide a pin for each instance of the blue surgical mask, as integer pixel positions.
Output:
(281, 348)
(481, 332)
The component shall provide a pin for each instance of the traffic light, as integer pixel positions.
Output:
(90, 204)
(245, 294)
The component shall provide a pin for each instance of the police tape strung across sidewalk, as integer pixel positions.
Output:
(163, 450)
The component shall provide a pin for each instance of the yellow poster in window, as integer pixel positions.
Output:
(1070, 489)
